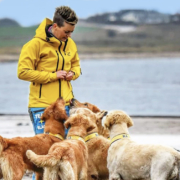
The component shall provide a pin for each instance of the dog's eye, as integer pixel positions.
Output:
(86, 104)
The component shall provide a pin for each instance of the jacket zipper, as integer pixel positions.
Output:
(57, 61)
(61, 68)
(65, 47)
(40, 90)
(56, 70)
(62, 56)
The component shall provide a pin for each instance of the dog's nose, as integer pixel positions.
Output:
(72, 102)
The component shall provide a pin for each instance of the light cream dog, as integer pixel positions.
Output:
(67, 160)
(128, 160)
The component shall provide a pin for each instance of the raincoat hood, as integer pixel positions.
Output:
(41, 30)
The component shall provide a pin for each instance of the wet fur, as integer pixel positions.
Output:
(128, 160)
(75, 104)
(13, 158)
(67, 159)
(97, 147)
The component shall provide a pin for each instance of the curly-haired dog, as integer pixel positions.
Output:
(13, 160)
(76, 104)
(128, 160)
(67, 160)
(97, 146)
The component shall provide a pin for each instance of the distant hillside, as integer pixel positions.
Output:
(8, 23)
(97, 38)
(133, 17)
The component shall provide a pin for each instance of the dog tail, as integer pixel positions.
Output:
(66, 170)
(3, 144)
(41, 160)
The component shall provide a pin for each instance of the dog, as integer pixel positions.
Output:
(68, 159)
(97, 146)
(128, 160)
(13, 160)
(74, 104)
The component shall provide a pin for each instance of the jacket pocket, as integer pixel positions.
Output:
(48, 93)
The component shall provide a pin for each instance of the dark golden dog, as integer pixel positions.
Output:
(97, 146)
(67, 159)
(76, 104)
(13, 158)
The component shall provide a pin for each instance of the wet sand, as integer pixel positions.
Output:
(158, 130)
(13, 125)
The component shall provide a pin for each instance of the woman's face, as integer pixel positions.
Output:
(62, 33)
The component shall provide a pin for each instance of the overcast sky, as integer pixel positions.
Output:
(30, 12)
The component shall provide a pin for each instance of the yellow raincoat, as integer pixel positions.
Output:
(39, 60)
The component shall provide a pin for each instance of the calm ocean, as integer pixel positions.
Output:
(139, 87)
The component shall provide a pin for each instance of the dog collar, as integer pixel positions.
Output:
(75, 138)
(90, 136)
(55, 135)
(119, 136)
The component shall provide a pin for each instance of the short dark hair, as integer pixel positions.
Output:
(64, 13)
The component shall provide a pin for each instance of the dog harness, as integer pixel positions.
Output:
(90, 136)
(55, 135)
(119, 136)
(75, 138)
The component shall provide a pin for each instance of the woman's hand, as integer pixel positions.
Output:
(61, 74)
(69, 75)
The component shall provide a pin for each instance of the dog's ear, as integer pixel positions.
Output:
(91, 124)
(129, 122)
(123, 117)
(95, 109)
(111, 119)
(44, 116)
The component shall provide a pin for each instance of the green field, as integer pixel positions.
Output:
(147, 38)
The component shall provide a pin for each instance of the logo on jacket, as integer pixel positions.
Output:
(68, 53)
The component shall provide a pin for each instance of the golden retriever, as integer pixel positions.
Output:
(68, 159)
(97, 146)
(128, 160)
(13, 160)
(76, 104)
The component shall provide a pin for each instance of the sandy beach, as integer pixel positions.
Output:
(157, 130)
